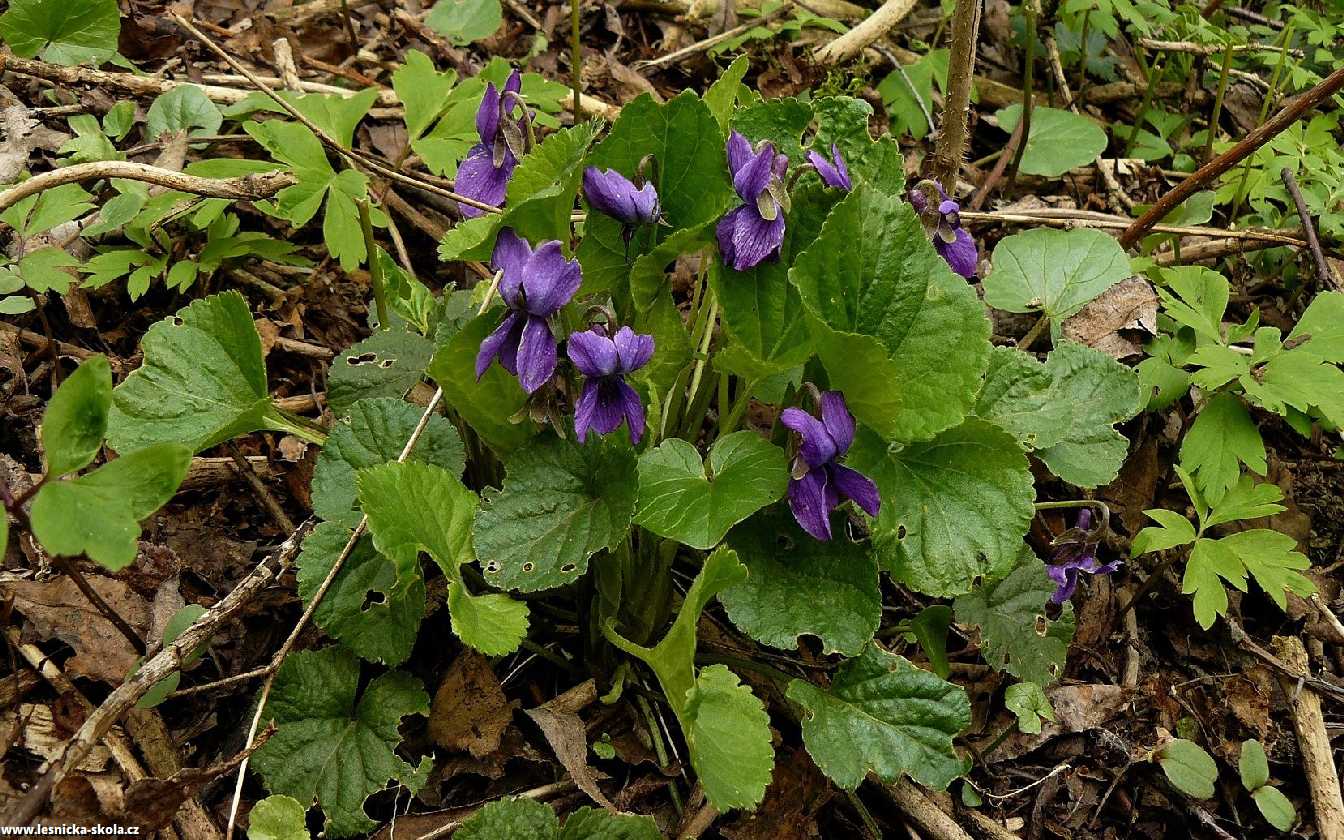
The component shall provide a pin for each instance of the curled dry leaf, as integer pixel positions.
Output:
(559, 721)
(1118, 320)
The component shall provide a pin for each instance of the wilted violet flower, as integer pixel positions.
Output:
(833, 171)
(484, 173)
(612, 193)
(535, 284)
(751, 233)
(950, 239)
(606, 399)
(819, 484)
(1076, 551)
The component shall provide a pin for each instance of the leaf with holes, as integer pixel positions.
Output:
(561, 503)
(799, 586)
(884, 715)
(364, 609)
(695, 502)
(333, 746)
(954, 509)
(375, 432)
(203, 381)
(1015, 634)
(386, 364)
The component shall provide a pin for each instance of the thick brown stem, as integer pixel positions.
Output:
(1328, 87)
(1323, 272)
(247, 187)
(956, 107)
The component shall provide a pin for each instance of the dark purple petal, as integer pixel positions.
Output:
(592, 353)
(948, 207)
(854, 485)
(514, 84)
(807, 500)
(612, 193)
(833, 172)
(633, 349)
(487, 115)
(536, 354)
(816, 447)
(510, 256)
(633, 409)
(1066, 581)
(755, 239)
(918, 201)
(838, 421)
(724, 231)
(739, 152)
(753, 178)
(550, 279)
(502, 343)
(610, 408)
(585, 409)
(961, 255)
(478, 178)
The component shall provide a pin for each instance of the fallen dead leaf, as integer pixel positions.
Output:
(470, 711)
(795, 795)
(39, 735)
(1117, 321)
(559, 721)
(56, 609)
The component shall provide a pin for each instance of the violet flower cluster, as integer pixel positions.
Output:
(1075, 553)
(820, 483)
(534, 285)
(606, 398)
(950, 239)
(485, 172)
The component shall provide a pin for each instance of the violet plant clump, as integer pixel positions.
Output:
(921, 424)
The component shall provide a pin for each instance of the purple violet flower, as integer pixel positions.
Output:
(612, 193)
(484, 173)
(752, 232)
(819, 484)
(535, 284)
(606, 399)
(1076, 551)
(950, 239)
(833, 171)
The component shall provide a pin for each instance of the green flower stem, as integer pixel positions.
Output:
(1030, 10)
(1152, 77)
(376, 278)
(702, 356)
(299, 427)
(1217, 106)
(728, 424)
(1073, 503)
(1274, 80)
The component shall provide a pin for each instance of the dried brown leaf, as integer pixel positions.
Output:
(470, 711)
(56, 609)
